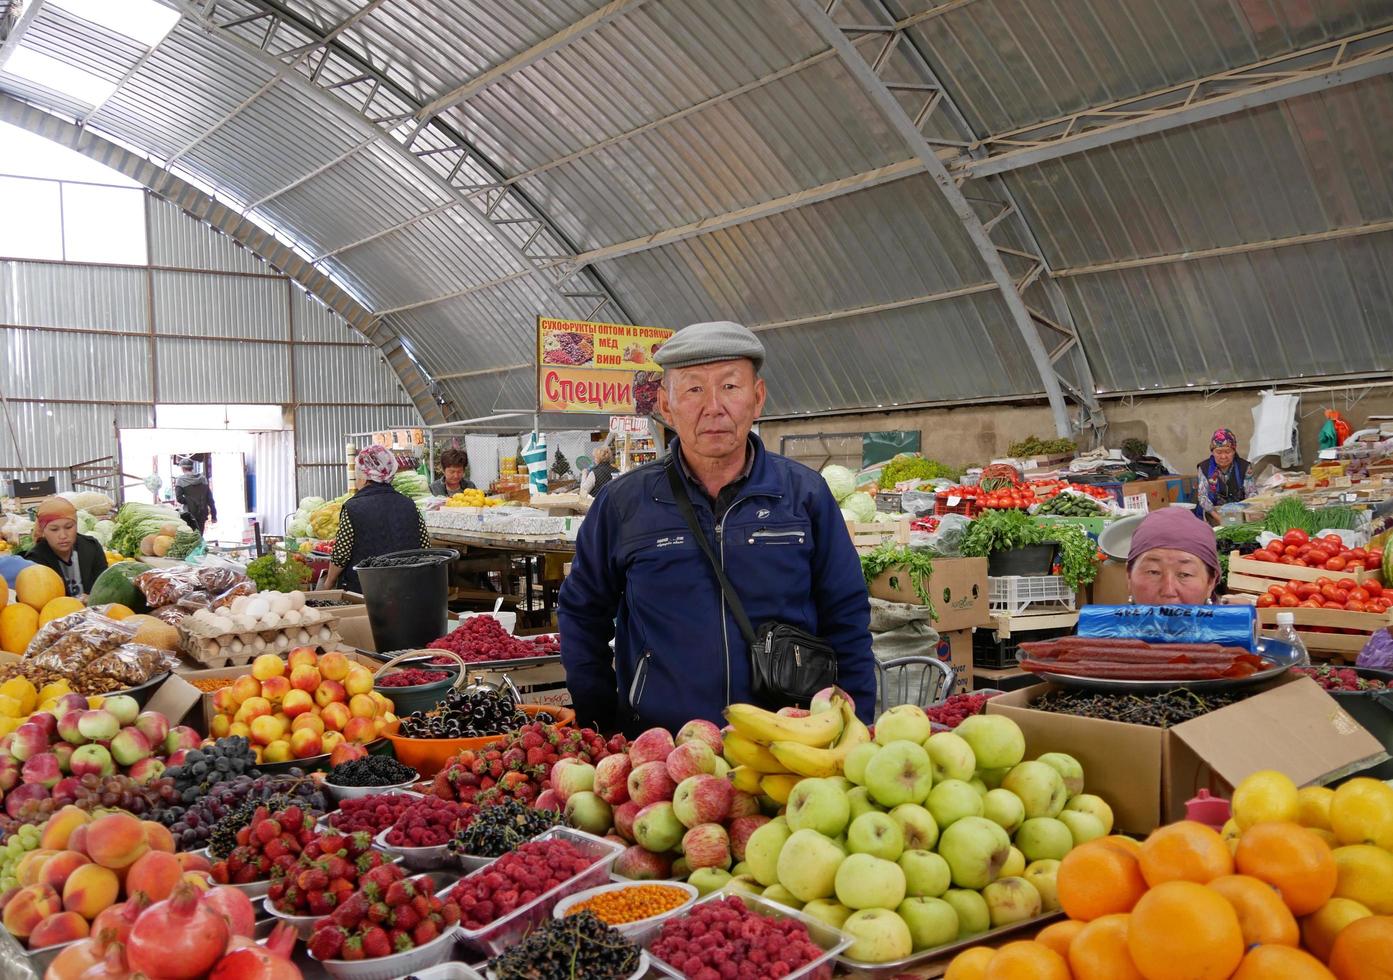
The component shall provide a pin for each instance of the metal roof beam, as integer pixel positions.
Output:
(16, 35)
(1314, 69)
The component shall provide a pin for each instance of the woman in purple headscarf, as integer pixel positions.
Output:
(1173, 559)
(1225, 477)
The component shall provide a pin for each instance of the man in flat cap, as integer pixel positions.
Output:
(640, 577)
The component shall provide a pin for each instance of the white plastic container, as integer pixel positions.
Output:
(437, 951)
(340, 793)
(637, 931)
(304, 924)
(450, 971)
(416, 858)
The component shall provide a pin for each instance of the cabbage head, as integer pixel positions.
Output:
(862, 505)
(309, 504)
(840, 480)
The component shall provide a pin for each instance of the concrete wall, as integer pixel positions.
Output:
(1177, 426)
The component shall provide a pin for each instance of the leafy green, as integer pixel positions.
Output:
(918, 564)
(1238, 533)
(903, 468)
(1077, 555)
(840, 480)
(1035, 446)
(272, 575)
(186, 542)
(862, 505)
(1290, 512)
(1005, 530)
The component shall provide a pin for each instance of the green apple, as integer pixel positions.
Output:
(841, 782)
(951, 800)
(904, 722)
(976, 783)
(975, 849)
(1083, 827)
(878, 936)
(743, 885)
(1044, 837)
(866, 882)
(1004, 808)
(1042, 875)
(917, 824)
(708, 880)
(807, 865)
(827, 910)
(951, 756)
(1096, 805)
(722, 768)
(900, 773)
(973, 915)
(741, 868)
(1015, 864)
(762, 850)
(780, 894)
(1011, 900)
(681, 869)
(932, 922)
(860, 800)
(1040, 788)
(818, 804)
(926, 874)
(991, 778)
(854, 765)
(656, 827)
(875, 834)
(997, 742)
(1069, 769)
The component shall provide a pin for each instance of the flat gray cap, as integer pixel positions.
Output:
(706, 343)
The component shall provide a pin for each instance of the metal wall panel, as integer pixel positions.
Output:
(313, 320)
(212, 371)
(321, 431)
(348, 374)
(45, 364)
(56, 436)
(183, 242)
(52, 295)
(223, 306)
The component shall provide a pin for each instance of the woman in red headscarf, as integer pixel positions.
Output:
(1225, 477)
(79, 559)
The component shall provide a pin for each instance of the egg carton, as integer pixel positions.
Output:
(259, 613)
(234, 649)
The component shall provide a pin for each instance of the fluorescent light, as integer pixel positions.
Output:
(144, 20)
(54, 74)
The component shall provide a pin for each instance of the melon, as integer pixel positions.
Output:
(58, 608)
(38, 585)
(18, 624)
(4, 592)
(153, 632)
(117, 584)
(117, 611)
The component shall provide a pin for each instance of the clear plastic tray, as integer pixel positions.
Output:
(499, 934)
(883, 971)
(832, 941)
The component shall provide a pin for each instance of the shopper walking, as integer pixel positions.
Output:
(1225, 477)
(772, 525)
(195, 496)
(452, 465)
(376, 520)
(78, 558)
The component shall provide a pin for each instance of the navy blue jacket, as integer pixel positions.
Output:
(678, 653)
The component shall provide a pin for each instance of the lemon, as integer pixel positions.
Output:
(1266, 796)
(1314, 803)
(1362, 813)
(10, 707)
(22, 690)
(1366, 875)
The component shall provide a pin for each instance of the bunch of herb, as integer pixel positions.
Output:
(1001, 530)
(903, 468)
(1035, 446)
(272, 575)
(917, 564)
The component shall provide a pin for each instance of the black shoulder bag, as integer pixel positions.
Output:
(787, 665)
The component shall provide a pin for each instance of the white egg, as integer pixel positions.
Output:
(302, 637)
(297, 599)
(280, 604)
(244, 622)
(235, 647)
(270, 621)
(291, 617)
(325, 634)
(282, 642)
(258, 644)
(258, 607)
(239, 604)
(310, 615)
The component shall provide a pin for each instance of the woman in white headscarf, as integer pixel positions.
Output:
(376, 520)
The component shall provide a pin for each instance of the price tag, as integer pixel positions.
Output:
(1136, 502)
(953, 500)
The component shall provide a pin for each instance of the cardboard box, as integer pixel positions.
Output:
(1147, 774)
(958, 587)
(204, 717)
(1155, 492)
(955, 649)
(1180, 489)
(340, 595)
(1110, 587)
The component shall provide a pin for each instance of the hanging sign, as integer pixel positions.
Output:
(597, 368)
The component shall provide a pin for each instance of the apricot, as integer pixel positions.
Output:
(90, 889)
(274, 689)
(57, 868)
(362, 706)
(60, 827)
(335, 715)
(220, 726)
(60, 927)
(77, 840)
(30, 906)
(116, 840)
(245, 687)
(31, 866)
(301, 657)
(158, 836)
(310, 720)
(330, 692)
(190, 861)
(155, 874)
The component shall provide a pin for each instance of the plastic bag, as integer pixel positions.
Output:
(49, 632)
(79, 643)
(173, 615)
(217, 577)
(194, 601)
(1378, 652)
(946, 541)
(225, 599)
(166, 586)
(133, 663)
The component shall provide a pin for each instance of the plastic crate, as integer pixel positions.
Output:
(1015, 594)
(991, 653)
(966, 507)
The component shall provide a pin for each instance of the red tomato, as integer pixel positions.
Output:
(1318, 556)
(1287, 561)
(1354, 605)
(1301, 562)
(1265, 600)
(1336, 564)
(1359, 594)
(1331, 592)
(1341, 596)
(1373, 564)
(1262, 554)
(1325, 580)
(1277, 591)
(1288, 601)
(1294, 584)
(1291, 550)
(1296, 536)
(1347, 584)
(1360, 553)
(1374, 588)
(1311, 603)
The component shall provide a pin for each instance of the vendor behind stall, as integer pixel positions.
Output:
(1225, 477)
(376, 520)
(452, 464)
(77, 558)
(1173, 559)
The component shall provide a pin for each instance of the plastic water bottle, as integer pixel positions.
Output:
(1286, 632)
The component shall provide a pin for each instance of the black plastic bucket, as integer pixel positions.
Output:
(406, 603)
(1373, 710)
(1037, 559)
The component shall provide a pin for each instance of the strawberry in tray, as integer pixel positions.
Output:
(383, 917)
(271, 841)
(330, 867)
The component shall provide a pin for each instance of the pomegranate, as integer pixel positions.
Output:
(77, 959)
(112, 965)
(177, 939)
(120, 918)
(257, 962)
(234, 906)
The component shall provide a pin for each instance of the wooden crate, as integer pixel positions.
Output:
(1255, 577)
(868, 536)
(1329, 646)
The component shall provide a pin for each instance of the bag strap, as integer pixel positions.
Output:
(684, 504)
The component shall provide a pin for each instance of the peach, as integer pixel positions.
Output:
(283, 718)
(336, 715)
(155, 874)
(362, 706)
(241, 729)
(359, 730)
(331, 740)
(220, 726)
(32, 865)
(330, 692)
(77, 840)
(266, 666)
(116, 840)
(309, 721)
(334, 666)
(305, 678)
(158, 836)
(358, 681)
(305, 743)
(266, 729)
(245, 687)
(301, 657)
(56, 869)
(60, 927)
(297, 702)
(224, 701)
(383, 702)
(277, 751)
(190, 861)
(28, 907)
(346, 752)
(273, 689)
(90, 889)
(253, 708)
(61, 825)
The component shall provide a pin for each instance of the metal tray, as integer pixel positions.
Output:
(1283, 655)
(876, 971)
(471, 666)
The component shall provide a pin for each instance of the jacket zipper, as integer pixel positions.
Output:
(757, 535)
(721, 543)
(640, 681)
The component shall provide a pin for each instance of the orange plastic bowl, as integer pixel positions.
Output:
(429, 755)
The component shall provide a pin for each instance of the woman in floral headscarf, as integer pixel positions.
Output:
(1225, 477)
(374, 521)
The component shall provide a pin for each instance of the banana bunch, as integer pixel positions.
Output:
(770, 752)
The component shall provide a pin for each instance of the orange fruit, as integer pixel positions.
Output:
(1184, 851)
(1057, 936)
(1184, 931)
(1026, 961)
(1099, 878)
(1293, 860)
(1099, 952)
(970, 964)
(1129, 844)
(1281, 963)
(1320, 929)
(1262, 915)
(1364, 950)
